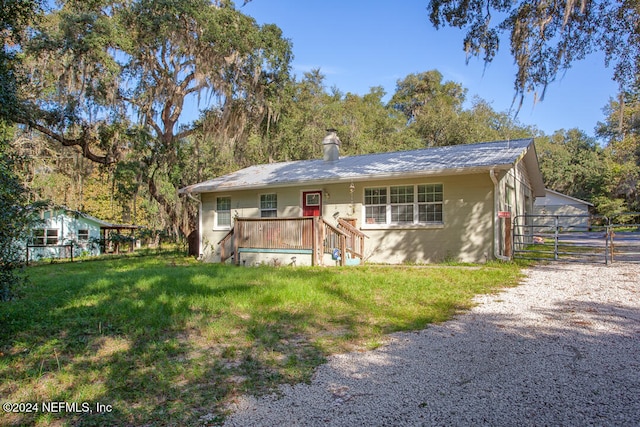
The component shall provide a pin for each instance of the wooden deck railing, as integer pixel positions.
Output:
(275, 233)
(354, 240)
(334, 239)
(296, 235)
(226, 246)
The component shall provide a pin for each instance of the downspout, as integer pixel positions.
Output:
(199, 202)
(496, 207)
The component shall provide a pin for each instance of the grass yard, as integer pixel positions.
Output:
(169, 341)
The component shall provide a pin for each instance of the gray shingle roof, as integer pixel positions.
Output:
(427, 161)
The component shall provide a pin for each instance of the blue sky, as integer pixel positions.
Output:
(360, 44)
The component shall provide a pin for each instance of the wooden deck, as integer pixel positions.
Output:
(305, 235)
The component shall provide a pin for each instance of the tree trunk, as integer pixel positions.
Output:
(179, 214)
(193, 244)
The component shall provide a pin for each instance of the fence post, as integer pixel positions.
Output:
(237, 226)
(555, 239)
(612, 246)
(315, 221)
(606, 244)
(317, 228)
(507, 237)
(322, 230)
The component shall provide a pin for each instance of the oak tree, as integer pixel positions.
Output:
(621, 132)
(125, 81)
(16, 213)
(547, 36)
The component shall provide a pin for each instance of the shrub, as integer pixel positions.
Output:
(16, 219)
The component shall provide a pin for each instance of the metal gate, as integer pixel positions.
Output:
(577, 238)
(624, 234)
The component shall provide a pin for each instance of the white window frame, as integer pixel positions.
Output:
(269, 209)
(393, 197)
(314, 195)
(509, 193)
(382, 199)
(49, 237)
(402, 203)
(85, 236)
(426, 203)
(217, 216)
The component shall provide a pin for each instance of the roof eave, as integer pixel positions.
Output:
(569, 197)
(530, 159)
(202, 188)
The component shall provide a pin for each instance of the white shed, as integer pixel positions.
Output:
(64, 231)
(571, 212)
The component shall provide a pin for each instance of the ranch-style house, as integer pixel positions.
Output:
(418, 206)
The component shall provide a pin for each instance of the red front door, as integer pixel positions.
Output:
(311, 203)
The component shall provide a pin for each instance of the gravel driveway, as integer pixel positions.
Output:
(561, 349)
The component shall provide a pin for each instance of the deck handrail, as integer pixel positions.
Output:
(334, 229)
(355, 239)
(226, 236)
(351, 228)
(334, 238)
(226, 246)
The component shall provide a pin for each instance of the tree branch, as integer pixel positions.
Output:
(83, 142)
(185, 133)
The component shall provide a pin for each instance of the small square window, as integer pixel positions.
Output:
(402, 214)
(313, 199)
(83, 235)
(430, 213)
(375, 196)
(402, 194)
(430, 193)
(376, 214)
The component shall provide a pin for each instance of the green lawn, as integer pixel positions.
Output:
(169, 341)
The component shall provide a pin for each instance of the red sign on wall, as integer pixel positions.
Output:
(504, 214)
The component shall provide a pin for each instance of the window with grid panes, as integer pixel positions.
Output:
(430, 201)
(223, 212)
(45, 236)
(375, 200)
(405, 204)
(268, 205)
(401, 201)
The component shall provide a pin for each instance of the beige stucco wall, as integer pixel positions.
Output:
(520, 204)
(465, 235)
